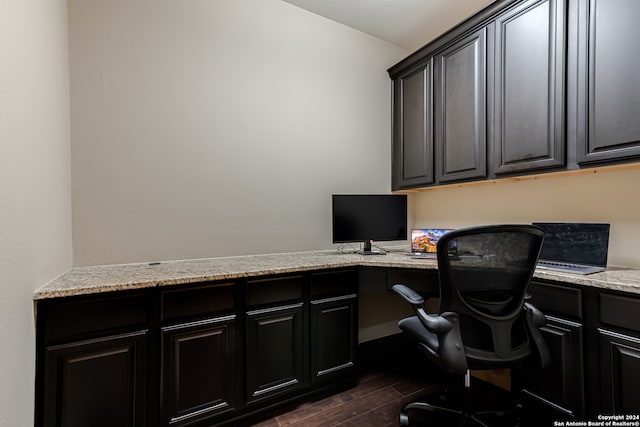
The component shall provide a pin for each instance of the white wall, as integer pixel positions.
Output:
(208, 128)
(35, 188)
(605, 196)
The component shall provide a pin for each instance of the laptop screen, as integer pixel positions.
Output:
(425, 239)
(576, 243)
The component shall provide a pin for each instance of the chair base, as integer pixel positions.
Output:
(464, 415)
(464, 419)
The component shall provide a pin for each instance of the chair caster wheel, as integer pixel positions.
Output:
(404, 420)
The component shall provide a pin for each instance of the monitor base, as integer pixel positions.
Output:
(371, 253)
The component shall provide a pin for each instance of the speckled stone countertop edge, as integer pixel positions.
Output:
(123, 277)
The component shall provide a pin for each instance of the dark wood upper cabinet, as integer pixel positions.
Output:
(461, 109)
(521, 87)
(413, 128)
(608, 81)
(529, 132)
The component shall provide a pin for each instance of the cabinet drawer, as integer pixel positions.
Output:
(197, 301)
(94, 316)
(556, 299)
(334, 283)
(274, 290)
(620, 311)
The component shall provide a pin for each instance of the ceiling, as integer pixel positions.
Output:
(409, 24)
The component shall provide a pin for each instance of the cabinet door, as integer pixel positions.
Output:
(276, 351)
(608, 81)
(529, 87)
(413, 128)
(460, 109)
(620, 358)
(98, 382)
(559, 386)
(199, 370)
(333, 337)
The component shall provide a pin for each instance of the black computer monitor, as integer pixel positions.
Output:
(368, 217)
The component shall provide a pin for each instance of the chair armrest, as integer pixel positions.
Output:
(445, 326)
(435, 324)
(535, 320)
(453, 356)
(408, 294)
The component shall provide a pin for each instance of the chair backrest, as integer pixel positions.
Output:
(484, 275)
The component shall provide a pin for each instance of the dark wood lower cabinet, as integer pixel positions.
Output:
(620, 360)
(196, 355)
(96, 382)
(333, 337)
(275, 351)
(218, 352)
(594, 339)
(559, 386)
(558, 390)
(199, 370)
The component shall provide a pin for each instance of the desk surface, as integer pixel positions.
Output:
(108, 278)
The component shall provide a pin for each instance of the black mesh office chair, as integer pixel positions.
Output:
(484, 321)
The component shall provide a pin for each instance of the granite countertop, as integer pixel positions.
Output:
(108, 278)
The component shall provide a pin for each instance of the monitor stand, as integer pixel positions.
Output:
(367, 249)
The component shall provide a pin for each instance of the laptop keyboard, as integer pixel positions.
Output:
(561, 266)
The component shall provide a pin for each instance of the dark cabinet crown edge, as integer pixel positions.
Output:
(469, 25)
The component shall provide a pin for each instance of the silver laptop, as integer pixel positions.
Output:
(580, 248)
(425, 240)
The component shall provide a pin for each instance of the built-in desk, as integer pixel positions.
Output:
(204, 341)
(99, 279)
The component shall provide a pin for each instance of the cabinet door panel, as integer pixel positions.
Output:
(275, 351)
(98, 382)
(333, 337)
(199, 367)
(609, 82)
(460, 94)
(559, 385)
(529, 87)
(413, 129)
(620, 358)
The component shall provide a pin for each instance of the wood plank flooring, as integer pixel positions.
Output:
(391, 375)
(376, 400)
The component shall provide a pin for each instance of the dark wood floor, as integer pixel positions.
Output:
(394, 376)
(378, 396)
(374, 401)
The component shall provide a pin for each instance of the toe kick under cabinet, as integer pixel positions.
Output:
(199, 354)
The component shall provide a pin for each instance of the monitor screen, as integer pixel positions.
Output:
(575, 243)
(367, 217)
